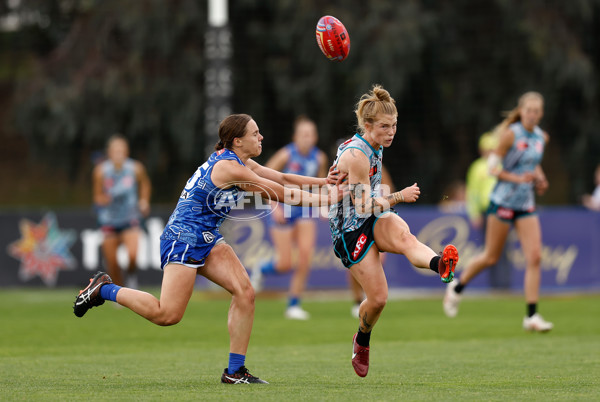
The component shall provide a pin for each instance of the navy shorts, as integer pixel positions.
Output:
(508, 215)
(173, 251)
(352, 247)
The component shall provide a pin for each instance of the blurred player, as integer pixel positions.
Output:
(593, 201)
(192, 245)
(479, 186)
(121, 190)
(512, 202)
(480, 182)
(363, 224)
(293, 225)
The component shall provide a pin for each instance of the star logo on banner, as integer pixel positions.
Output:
(43, 249)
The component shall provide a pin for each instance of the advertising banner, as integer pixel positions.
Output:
(62, 248)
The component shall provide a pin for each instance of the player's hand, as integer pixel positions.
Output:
(526, 177)
(411, 194)
(541, 185)
(334, 177)
(144, 207)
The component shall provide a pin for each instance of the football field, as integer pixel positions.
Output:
(46, 353)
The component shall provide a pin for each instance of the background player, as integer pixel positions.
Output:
(192, 245)
(479, 186)
(593, 201)
(121, 192)
(292, 225)
(512, 202)
(363, 225)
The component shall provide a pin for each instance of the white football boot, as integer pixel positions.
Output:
(537, 323)
(451, 300)
(355, 311)
(296, 313)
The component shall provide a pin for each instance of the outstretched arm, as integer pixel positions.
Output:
(284, 178)
(231, 173)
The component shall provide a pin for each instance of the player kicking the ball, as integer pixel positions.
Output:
(363, 223)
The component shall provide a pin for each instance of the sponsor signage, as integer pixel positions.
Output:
(62, 248)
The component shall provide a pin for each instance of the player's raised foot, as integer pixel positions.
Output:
(448, 263)
(451, 300)
(90, 296)
(537, 323)
(360, 358)
(242, 376)
(355, 311)
(296, 313)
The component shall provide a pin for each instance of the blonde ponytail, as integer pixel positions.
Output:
(374, 102)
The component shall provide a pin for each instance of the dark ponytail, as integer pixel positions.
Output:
(232, 127)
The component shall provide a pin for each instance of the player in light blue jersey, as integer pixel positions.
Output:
(121, 191)
(291, 226)
(363, 223)
(512, 202)
(192, 245)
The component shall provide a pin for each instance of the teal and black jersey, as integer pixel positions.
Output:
(524, 155)
(121, 185)
(343, 217)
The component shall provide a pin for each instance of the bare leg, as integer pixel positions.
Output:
(109, 250)
(530, 236)
(392, 234)
(282, 241)
(177, 287)
(305, 234)
(495, 237)
(130, 239)
(355, 288)
(225, 269)
(369, 274)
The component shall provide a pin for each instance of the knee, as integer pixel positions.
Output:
(169, 319)
(244, 294)
(491, 259)
(378, 302)
(534, 259)
(405, 240)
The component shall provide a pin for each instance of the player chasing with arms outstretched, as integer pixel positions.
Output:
(192, 245)
(363, 223)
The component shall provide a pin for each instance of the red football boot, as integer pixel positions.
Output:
(447, 263)
(360, 358)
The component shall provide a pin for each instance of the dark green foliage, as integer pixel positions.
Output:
(85, 69)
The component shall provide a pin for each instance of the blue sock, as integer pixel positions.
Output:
(268, 268)
(235, 362)
(109, 291)
(293, 301)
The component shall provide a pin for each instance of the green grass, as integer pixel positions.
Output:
(417, 353)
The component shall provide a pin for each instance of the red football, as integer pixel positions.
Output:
(332, 38)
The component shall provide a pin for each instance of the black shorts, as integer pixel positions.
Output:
(352, 247)
(508, 215)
